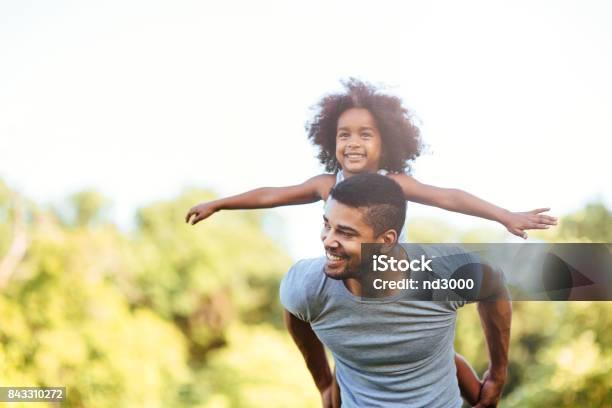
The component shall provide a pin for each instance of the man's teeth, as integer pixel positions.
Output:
(333, 257)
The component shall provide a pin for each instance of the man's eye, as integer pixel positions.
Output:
(347, 234)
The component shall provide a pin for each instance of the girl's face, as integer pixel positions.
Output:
(358, 142)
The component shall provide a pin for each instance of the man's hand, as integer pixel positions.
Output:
(491, 390)
(201, 212)
(518, 222)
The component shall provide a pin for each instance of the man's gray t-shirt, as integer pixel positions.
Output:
(388, 353)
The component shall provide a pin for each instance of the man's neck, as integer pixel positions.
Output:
(355, 286)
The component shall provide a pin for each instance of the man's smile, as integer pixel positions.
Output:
(334, 259)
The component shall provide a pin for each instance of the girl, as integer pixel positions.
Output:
(363, 130)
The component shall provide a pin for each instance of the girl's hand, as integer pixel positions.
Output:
(518, 222)
(201, 212)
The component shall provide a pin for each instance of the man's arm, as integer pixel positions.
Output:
(314, 355)
(496, 318)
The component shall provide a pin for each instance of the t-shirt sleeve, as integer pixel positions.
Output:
(486, 280)
(293, 293)
(466, 270)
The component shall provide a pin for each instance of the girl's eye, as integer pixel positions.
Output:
(342, 135)
(366, 135)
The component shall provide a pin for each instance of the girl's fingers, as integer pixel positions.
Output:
(192, 212)
(547, 220)
(519, 232)
(542, 219)
(539, 210)
(535, 225)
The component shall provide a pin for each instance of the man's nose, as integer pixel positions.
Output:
(329, 240)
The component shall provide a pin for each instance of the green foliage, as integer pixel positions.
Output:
(428, 230)
(171, 315)
(205, 277)
(592, 224)
(560, 352)
(128, 319)
(65, 324)
(6, 216)
(260, 366)
(89, 207)
(86, 208)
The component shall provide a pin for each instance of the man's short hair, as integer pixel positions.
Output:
(381, 199)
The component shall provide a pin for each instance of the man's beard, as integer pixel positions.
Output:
(346, 273)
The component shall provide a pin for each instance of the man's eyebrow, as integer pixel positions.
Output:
(346, 228)
(343, 228)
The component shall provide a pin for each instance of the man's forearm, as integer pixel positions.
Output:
(496, 317)
(312, 350)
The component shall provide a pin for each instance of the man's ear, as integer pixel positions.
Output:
(388, 239)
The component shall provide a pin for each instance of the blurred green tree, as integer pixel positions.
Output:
(174, 315)
(66, 323)
(206, 276)
(560, 352)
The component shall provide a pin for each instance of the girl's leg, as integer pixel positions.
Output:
(469, 383)
(336, 402)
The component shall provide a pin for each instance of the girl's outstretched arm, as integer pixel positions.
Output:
(460, 201)
(313, 189)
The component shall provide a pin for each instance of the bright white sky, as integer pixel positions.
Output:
(140, 99)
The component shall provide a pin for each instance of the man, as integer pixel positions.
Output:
(388, 353)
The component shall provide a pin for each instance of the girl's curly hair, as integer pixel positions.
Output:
(401, 138)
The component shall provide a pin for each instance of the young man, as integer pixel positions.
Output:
(388, 353)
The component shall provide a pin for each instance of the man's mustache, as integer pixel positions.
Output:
(335, 252)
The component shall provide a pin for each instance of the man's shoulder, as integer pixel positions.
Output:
(301, 287)
(309, 266)
(306, 273)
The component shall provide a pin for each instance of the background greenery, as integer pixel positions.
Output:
(173, 316)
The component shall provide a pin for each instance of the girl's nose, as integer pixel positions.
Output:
(353, 142)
